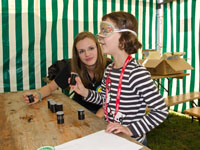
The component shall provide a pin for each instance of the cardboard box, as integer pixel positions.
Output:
(169, 63)
(148, 52)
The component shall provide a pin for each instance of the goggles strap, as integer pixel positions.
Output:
(125, 30)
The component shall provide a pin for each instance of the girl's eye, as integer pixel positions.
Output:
(91, 48)
(81, 51)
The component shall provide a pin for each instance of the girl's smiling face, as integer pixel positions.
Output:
(87, 52)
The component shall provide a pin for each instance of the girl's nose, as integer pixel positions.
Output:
(87, 53)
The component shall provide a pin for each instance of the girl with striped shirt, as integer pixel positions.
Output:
(127, 87)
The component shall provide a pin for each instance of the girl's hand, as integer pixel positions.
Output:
(79, 87)
(36, 97)
(118, 128)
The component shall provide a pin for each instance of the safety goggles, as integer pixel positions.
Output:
(107, 29)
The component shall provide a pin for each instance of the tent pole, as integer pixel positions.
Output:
(159, 23)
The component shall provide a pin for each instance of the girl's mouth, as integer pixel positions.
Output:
(89, 59)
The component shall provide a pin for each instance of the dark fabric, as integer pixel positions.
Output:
(55, 68)
(145, 141)
(62, 81)
(62, 77)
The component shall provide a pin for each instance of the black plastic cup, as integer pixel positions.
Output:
(60, 117)
(53, 106)
(59, 106)
(49, 100)
(81, 115)
(73, 81)
(31, 98)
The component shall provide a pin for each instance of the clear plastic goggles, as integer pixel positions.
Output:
(107, 29)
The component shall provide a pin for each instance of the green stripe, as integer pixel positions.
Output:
(75, 17)
(162, 89)
(178, 26)
(121, 4)
(150, 23)
(43, 29)
(165, 28)
(192, 80)
(65, 29)
(129, 6)
(54, 30)
(95, 16)
(172, 26)
(31, 34)
(5, 42)
(113, 5)
(177, 93)
(18, 28)
(144, 25)
(137, 17)
(85, 12)
(104, 6)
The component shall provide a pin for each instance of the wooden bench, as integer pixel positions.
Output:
(178, 99)
(194, 112)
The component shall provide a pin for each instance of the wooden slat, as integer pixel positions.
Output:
(178, 76)
(178, 99)
(195, 111)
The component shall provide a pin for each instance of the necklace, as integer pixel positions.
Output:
(92, 82)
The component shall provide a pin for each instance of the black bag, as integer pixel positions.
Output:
(55, 68)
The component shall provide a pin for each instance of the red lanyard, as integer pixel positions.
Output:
(119, 89)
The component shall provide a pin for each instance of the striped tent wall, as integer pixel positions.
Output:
(36, 33)
(181, 24)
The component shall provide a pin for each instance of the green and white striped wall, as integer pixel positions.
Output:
(36, 33)
(181, 33)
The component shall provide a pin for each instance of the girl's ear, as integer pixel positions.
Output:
(121, 45)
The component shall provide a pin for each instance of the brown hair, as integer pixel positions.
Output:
(123, 20)
(79, 67)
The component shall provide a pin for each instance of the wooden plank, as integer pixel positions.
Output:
(195, 111)
(178, 76)
(6, 136)
(173, 100)
(26, 127)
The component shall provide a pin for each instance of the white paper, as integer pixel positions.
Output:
(99, 141)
